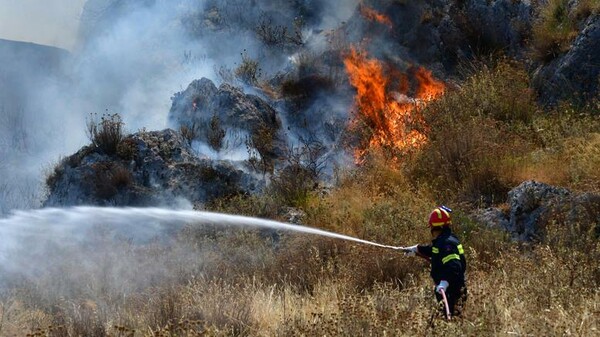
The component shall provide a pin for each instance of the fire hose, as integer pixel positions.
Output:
(442, 291)
(446, 306)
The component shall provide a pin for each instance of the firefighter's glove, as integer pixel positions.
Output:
(410, 251)
(442, 286)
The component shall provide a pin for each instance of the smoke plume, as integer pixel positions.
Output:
(130, 57)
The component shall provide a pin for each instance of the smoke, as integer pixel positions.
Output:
(130, 58)
(51, 22)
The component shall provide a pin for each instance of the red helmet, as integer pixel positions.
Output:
(440, 217)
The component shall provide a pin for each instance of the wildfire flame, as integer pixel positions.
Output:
(372, 15)
(384, 105)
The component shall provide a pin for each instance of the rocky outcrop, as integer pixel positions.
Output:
(149, 168)
(212, 114)
(504, 24)
(534, 205)
(575, 74)
(439, 33)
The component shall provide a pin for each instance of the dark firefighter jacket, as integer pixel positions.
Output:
(447, 258)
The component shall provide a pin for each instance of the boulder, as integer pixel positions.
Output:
(212, 112)
(528, 202)
(533, 205)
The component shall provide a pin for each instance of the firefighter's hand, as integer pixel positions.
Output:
(410, 251)
(442, 286)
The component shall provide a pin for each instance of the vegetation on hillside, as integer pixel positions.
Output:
(484, 137)
(558, 25)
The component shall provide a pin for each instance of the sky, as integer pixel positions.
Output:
(48, 22)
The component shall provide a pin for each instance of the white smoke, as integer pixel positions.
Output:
(130, 58)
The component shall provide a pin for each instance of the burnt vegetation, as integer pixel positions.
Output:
(107, 179)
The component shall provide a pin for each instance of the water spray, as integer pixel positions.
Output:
(39, 222)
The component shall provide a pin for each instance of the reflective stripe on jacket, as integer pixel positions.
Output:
(447, 258)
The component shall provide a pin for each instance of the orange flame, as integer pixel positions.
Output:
(383, 103)
(372, 15)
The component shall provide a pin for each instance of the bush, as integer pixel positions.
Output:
(248, 71)
(476, 133)
(107, 133)
(215, 133)
(292, 184)
(559, 25)
(261, 149)
(107, 179)
(127, 149)
(273, 35)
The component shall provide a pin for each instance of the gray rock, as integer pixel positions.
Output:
(528, 202)
(150, 168)
(500, 23)
(493, 217)
(435, 32)
(236, 112)
(575, 74)
(534, 205)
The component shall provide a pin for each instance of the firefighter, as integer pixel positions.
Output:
(448, 263)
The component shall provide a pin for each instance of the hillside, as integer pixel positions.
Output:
(23, 66)
(357, 120)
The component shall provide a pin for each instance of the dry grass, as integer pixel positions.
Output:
(490, 135)
(524, 292)
(558, 25)
(211, 281)
(566, 148)
(252, 283)
(475, 134)
(107, 133)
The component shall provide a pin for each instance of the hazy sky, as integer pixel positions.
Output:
(49, 22)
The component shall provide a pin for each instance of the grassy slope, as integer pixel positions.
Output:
(314, 286)
(485, 137)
